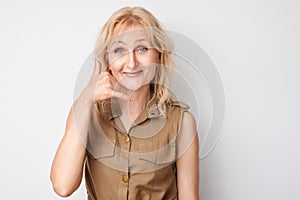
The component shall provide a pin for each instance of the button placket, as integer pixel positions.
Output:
(127, 142)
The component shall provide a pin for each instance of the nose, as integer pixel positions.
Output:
(131, 60)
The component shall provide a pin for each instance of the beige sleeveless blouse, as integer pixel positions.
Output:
(139, 164)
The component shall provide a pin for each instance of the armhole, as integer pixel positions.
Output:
(181, 111)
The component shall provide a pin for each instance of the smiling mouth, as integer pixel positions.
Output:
(133, 73)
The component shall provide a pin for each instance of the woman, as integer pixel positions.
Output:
(134, 139)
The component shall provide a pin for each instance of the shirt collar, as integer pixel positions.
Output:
(152, 110)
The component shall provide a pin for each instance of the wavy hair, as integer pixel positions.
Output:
(128, 16)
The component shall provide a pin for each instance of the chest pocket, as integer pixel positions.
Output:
(99, 145)
(103, 149)
(163, 156)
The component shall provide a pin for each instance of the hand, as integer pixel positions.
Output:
(101, 86)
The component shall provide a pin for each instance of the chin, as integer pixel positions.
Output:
(133, 84)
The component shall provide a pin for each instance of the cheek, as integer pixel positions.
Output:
(150, 71)
(115, 67)
(156, 57)
(150, 60)
(115, 71)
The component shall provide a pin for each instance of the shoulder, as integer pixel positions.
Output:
(188, 122)
(179, 104)
(176, 109)
(187, 133)
(187, 119)
(183, 110)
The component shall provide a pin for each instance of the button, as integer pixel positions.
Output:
(126, 139)
(124, 179)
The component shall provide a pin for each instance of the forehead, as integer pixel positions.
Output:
(129, 34)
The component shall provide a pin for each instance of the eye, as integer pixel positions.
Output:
(119, 51)
(141, 50)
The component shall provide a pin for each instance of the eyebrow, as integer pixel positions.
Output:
(140, 40)
(122, 42)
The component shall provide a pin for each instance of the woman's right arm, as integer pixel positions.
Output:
(67, 166)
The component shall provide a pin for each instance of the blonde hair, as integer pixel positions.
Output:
(128, 16)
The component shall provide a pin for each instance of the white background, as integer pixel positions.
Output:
(255, 46)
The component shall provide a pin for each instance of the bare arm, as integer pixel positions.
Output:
(188, 162)
(67, 167)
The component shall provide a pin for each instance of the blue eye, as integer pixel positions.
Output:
(119, 51)
(142, 50)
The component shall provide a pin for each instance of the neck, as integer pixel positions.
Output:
(140, 96)
(137, 102)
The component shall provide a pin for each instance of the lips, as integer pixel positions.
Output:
(133, 73)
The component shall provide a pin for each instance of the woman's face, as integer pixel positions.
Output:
(131, 58)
